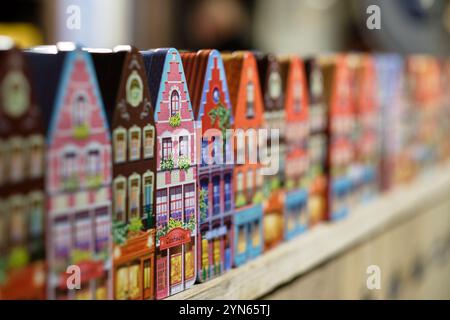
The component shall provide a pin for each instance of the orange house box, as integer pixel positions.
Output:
(247, 102)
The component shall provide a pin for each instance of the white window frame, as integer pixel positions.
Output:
(36, 168)
(131, 178)
(134, 129)
(117, 180)
(117, 131)
(149, 149)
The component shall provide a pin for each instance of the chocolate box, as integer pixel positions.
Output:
(176, 172)
(248, 112)
(123, 84)
(78, 173)
(22, 198)
(208, 89)
(296, 107)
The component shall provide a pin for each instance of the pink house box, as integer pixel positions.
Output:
(78, 173)
(176, 195)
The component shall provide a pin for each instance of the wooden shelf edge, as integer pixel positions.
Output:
(300, 255)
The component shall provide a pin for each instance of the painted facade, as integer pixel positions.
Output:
(317, 143)
(271, 83)
(78, 174)
(212, 110)
(365, 182)
(124, 87)
(338, 80)
(176, 192)
(22, 200)
(247, 102)
(297, 155)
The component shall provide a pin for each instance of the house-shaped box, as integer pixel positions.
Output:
(78, 173)
(274, 119)
(248, 112)
(390, 79)
(208, 89)
(176, 172)
(297, 156)
(338, 79)
(123, 84)
(22, 199)
(317, 143)
(366, 143)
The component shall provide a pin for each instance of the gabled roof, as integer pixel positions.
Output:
(50, 74)
(109, 69)
(156, 67)
(233, 63)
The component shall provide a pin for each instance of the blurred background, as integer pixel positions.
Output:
(281, 26)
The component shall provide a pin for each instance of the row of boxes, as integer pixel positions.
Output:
(129, 174)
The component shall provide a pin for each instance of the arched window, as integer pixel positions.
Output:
(250, 112)
(80, 110)
(174, 102)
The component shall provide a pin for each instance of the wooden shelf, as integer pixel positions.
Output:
(300, 255)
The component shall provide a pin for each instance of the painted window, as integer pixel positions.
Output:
(184, 146)
(216, 195)
(134, 191)
(120, 145)
(69, 166)
(3, 162)
(216, 95)
(204, 184)
(240, 182)
(174, 102)
(18, 227)
(298, 95)
(189, 201)
(36, 207)
(15, 93)
(250, 90)
(147, 192)
(120, 194)
(62, 236)
(161, 208)
(176, 202)
(189, 263)
(102, 229)
(205, 258)
(256, 239)
(134, 135)
(127, 281)
(176, 268)
(36, 160)
(161, 274)
(259, 178)
(94, 162)
(166, 148)
(242, 239)
(227, 189)
(17, 160)
(80, 109)
(205, 155)
(274, 85)
(147, 274)
(83, 231)
(249, 182)
(149, 141)
(217, 253)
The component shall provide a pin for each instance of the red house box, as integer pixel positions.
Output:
(22, 201)
(176, 194)
(297, 157)
(78, 173)
(208, 90)
(270, 79)
(124, 87)
(247, 102)
(338, 79)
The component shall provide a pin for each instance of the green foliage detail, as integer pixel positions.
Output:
(184, 163)
(135, 225)
(18, 258)
(258, 198)
(81, 132)
(240, 200)
(222, 114)
(120, 231)
(203, 207)
(167, 164)
(175, 120)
